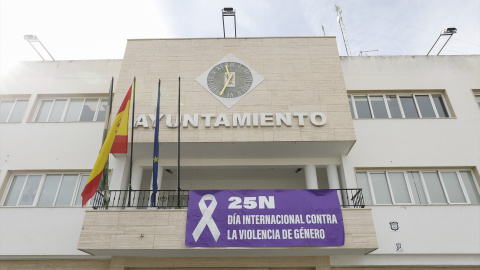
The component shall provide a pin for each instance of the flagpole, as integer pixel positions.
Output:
(178, 147)
(131, 144)
(155, 186)
(104, 180)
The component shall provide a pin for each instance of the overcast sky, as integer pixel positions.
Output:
(99, 29)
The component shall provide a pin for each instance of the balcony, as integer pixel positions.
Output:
(169, 199)
(131, 228)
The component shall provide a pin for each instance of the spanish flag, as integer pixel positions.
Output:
(116, 137)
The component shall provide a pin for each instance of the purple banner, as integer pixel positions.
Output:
(264, 218)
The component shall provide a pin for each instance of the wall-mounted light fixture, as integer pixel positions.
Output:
(446, 32)
(31, 39)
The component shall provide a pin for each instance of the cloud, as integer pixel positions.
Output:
(91, 29)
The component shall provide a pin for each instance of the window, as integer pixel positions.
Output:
(12, 110)
(477, 98)
(418, 187)
(71, 110)
(398, 106)
(46, 190)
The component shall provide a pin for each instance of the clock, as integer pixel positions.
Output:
(229, 80)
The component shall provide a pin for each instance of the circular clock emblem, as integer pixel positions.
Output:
(229, 80)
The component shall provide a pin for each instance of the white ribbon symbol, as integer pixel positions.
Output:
(207, 219)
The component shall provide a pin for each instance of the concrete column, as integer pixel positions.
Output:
(333, 180)
(311, 177)
(119, 173)
(137, 174)
(332, 174)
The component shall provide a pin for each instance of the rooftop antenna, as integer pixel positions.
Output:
(32, 38)
(338, 9)
(323, 28)
(229, 11)
(360, 53)
(446, 32)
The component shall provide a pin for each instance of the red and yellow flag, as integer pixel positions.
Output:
(117, 135)
(120, 143)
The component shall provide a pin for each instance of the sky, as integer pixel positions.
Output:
(99, 29)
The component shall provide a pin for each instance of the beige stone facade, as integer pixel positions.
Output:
(162, 233)
(300, 75)
(217, 263)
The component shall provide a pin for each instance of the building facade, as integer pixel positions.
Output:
(400, 132)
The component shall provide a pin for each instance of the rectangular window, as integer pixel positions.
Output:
(362, 106)
(416, 186)
(477, 98)
(440, 105)
(453, 187)
(398, 106)
(426, 106)
(378, 106)
(11, 111)
(380, 188)
(434, 187)
(394, 106)
(102, 110)
(71, 110)
(363, 184)
(409, 107)
(46, 190)
(419, 187)
(29, 191)
(399, 187)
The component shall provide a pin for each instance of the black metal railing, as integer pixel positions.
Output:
(140, 199)
(168, 199)
(351, 197)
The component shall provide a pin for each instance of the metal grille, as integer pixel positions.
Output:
(168, 199)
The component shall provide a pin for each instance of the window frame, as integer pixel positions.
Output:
(351, 97)
(13, 107)
(392, 197)
(66, 107)
(355, 105)
(445, 190)
(426, 192)
(407, 184)
(41, 186)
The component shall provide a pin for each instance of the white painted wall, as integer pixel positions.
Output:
(450, 230)
(47, 147)
(40, 231)
(429, 235)
(416, 142)
(428, 229)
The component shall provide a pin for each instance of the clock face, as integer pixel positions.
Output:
(229, 80)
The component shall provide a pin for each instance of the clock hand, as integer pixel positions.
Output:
(226, 67)
(229, 78)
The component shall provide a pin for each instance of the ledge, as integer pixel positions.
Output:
(161, 233)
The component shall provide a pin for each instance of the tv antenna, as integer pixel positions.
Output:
(338, 9)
